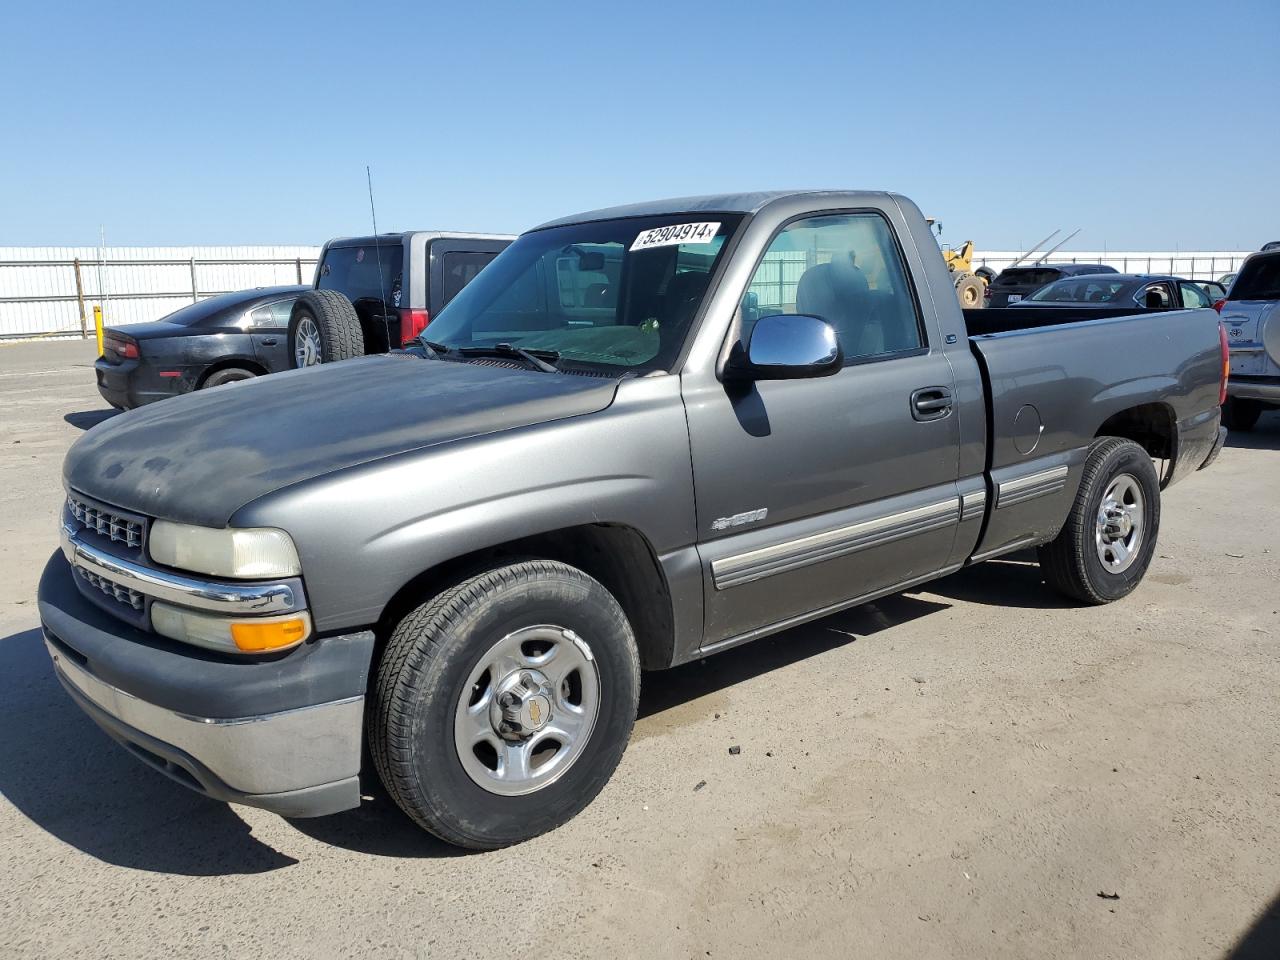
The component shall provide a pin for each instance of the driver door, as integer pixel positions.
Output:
(812, 493)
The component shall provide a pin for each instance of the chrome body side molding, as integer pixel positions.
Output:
(792, 554)
(1031, 486)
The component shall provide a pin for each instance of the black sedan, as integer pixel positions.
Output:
(1121, 290)
(226, 338)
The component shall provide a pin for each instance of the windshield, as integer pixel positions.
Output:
(615, 294)
(1082, 290)
(1259, 279)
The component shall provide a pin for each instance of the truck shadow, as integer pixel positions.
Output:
(1013, 580)
(1262, 940)
(68, 777)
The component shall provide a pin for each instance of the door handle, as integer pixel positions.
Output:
(931, 403)
(270, 342)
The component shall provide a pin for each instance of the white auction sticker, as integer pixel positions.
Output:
(675, 234)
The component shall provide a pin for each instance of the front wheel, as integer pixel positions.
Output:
(503, 705)
(1109, 538)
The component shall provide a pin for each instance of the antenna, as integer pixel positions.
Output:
(1033, 249)
(1058, 244)
(377, 245)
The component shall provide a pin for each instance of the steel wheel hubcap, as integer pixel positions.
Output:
(306, 343)
(1118, 535)
(527, 710)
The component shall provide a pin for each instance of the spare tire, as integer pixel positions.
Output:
(323, 328)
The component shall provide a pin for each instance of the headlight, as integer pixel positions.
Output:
(244, 635)
(249, 553)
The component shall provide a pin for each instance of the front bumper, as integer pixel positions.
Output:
(284, 734)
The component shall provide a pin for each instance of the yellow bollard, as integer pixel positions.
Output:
(97, 326)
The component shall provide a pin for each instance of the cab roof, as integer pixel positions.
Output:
(710, 203)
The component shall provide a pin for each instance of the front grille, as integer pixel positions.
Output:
(113, 590)
(116, 527)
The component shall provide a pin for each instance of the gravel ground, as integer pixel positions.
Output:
(958, 771)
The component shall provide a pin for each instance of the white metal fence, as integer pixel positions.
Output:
(51, 291)
(1193, 265)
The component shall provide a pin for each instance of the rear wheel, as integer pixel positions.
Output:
(1240, 415)
(323, 328)
(503, 705)
(1107, 543)
(969, 292)
(227, 375)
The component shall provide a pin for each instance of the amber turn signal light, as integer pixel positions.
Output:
(253, 637)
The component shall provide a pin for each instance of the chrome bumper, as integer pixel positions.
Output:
(1267, 390)
(302, 762)
(212, 595)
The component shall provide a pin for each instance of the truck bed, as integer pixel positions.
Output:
(1053, 375)
(1006, 319)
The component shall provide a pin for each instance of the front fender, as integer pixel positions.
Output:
(365, 531)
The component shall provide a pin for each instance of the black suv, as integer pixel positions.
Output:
(1017, 283)
(374, 294)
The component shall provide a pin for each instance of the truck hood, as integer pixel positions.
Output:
(200, 457)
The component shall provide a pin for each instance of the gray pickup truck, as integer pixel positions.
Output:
(642, 435)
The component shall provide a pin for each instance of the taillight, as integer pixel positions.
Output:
(412, 322)
(1226, 364)
(122, 346)
(1219, 304)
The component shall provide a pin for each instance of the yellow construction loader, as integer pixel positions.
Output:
(970, 284)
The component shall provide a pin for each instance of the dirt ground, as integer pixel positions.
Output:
(960, 771)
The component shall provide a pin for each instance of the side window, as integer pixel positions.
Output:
(460, 269)
(846, 269)
(1193, 296)
(271, 316)
(1154, 295)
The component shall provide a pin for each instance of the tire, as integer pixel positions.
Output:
(420, 724)
(334, 327)
(1072, 563)
(227, 375)
(1240, 416)
(969, 291)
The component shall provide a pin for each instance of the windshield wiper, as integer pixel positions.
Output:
(537, 359)
(437, 349)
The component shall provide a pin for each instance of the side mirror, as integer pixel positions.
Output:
(787, 347)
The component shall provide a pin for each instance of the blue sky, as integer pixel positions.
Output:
(1152, 125)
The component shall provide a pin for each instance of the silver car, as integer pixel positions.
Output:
(1251, 317)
